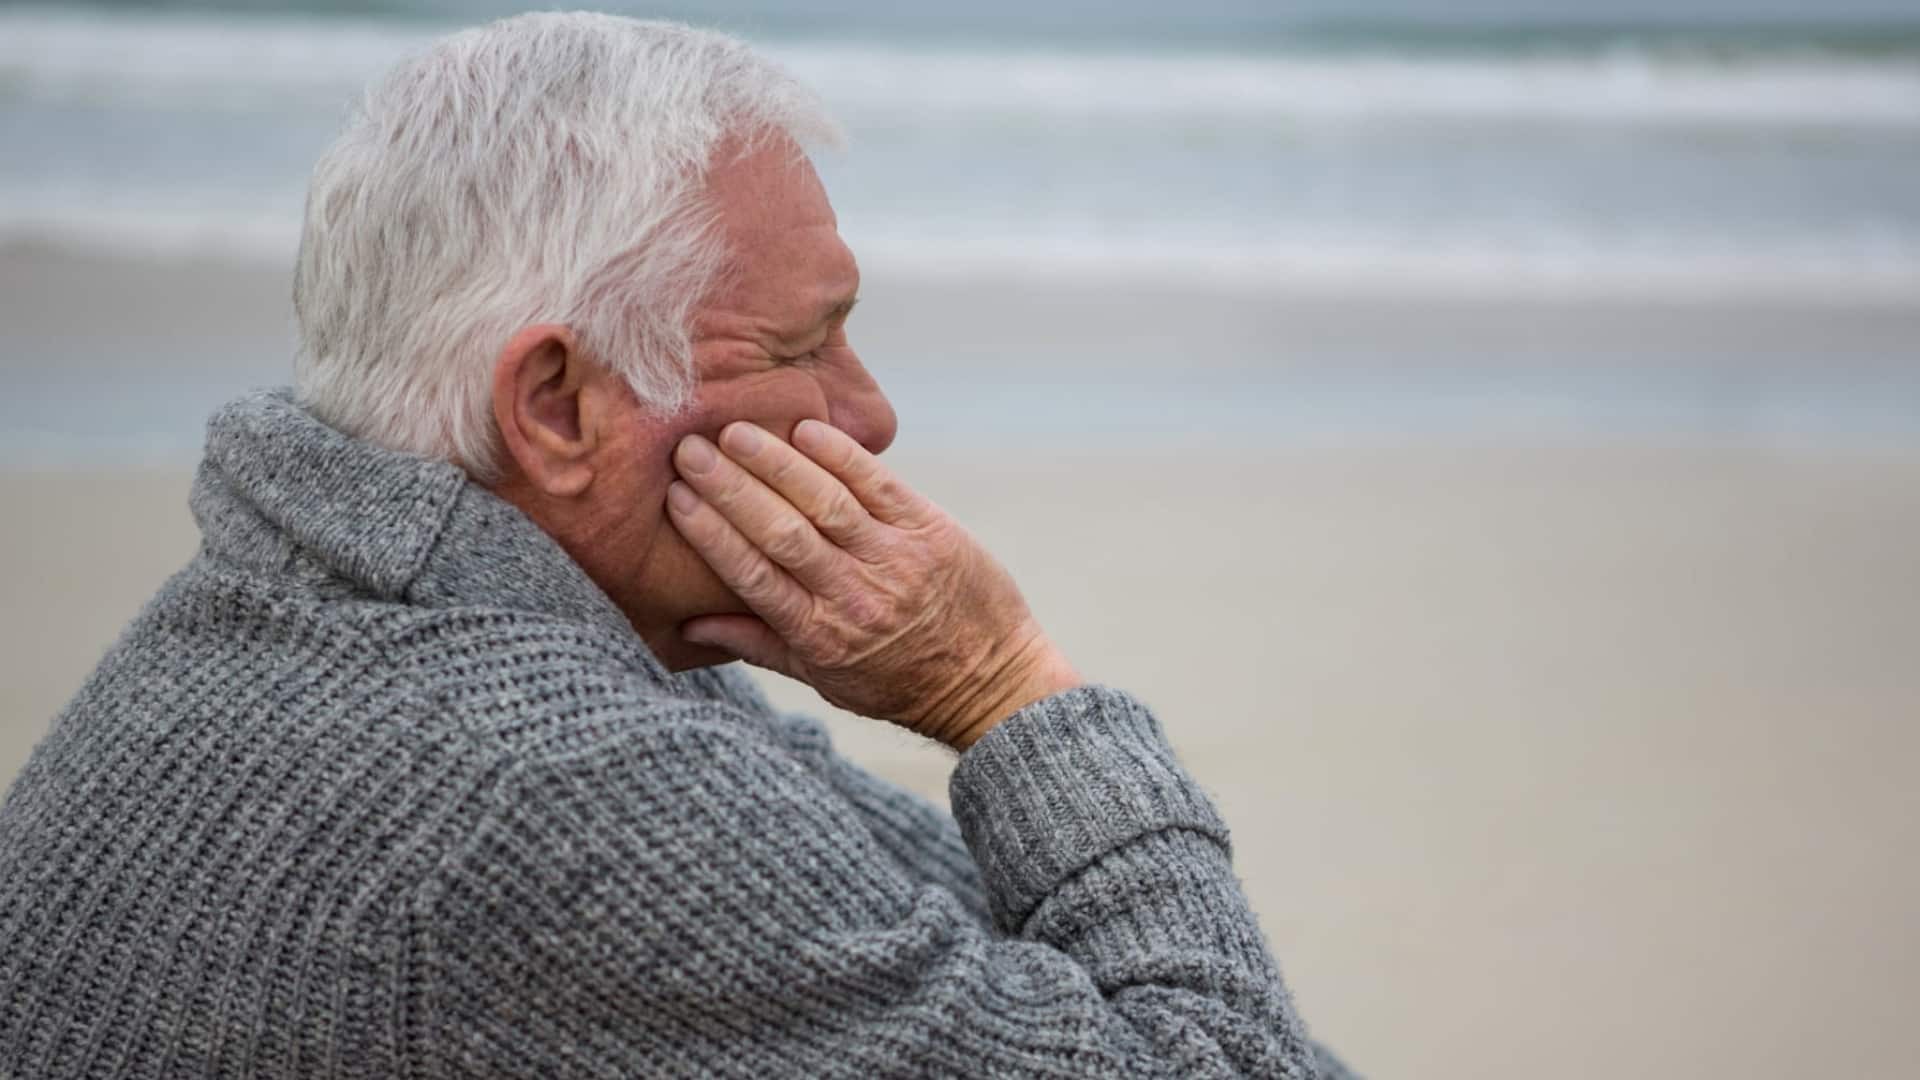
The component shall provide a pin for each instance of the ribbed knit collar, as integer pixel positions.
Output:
(287, 496)
(278, 489)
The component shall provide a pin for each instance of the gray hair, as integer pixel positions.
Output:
(543, 168)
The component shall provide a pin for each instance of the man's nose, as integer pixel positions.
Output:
(861, 409)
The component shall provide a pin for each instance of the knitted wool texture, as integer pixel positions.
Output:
(381, 785)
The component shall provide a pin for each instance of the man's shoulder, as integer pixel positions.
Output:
(484, 662)
(252, 696)
(534, 692)
(499, 681)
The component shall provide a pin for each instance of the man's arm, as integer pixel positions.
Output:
(918, 835)
(863, 589)
(683, 897)
(924, 840)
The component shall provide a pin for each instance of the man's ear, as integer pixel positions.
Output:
(544, 404)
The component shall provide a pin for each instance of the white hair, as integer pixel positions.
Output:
(543, 168)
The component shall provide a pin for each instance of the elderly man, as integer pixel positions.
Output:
(424, 765)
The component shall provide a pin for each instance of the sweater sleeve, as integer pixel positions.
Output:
(920, 837)
(684, 897)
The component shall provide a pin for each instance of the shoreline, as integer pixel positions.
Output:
(120, 361)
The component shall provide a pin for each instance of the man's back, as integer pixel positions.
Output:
(382, 785)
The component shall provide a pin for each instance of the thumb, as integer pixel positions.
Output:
(745, 636)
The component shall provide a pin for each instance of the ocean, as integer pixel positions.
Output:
(1231, 147)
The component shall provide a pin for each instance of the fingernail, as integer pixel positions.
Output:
(809, 435)
(682, 497)
(742, 439)
(697, 454)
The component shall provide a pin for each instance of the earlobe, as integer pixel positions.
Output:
(538, 384)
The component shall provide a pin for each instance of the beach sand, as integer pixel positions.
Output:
(1553, 760)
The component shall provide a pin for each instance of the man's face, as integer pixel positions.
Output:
(770, 346)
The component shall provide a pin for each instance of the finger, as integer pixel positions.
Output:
(884, 494)
(769, 522)
(745, 636)
(766, 588)
(813, 490)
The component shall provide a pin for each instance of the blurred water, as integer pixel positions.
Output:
(1634, 159)
(1215, 145)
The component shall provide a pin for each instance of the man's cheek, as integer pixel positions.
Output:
(696, 589)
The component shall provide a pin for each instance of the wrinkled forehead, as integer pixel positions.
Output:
(780, 229)
(768, 186)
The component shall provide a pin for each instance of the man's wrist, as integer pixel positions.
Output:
(1040, 672)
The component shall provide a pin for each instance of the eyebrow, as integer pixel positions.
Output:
(839, 309)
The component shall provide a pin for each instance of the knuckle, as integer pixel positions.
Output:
(723, 490)
(787, 540)
(840, 514)
(834, 653)
(866, 613)
(778, 469)
(794, 615)
(888, 487)
(755, 578)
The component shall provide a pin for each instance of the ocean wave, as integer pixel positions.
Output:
(1623, 86)
(1278, 261)
(242, 62)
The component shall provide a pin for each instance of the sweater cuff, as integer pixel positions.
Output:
(1059, 784)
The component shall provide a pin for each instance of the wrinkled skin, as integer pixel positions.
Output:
(923, 628)
(859, 586)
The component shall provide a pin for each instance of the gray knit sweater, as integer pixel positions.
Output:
(381, 785)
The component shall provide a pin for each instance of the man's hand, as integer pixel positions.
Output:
(860, 586)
